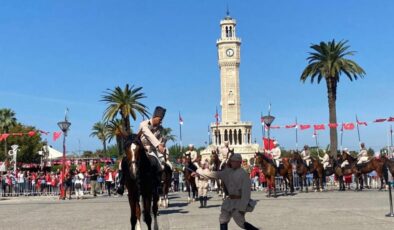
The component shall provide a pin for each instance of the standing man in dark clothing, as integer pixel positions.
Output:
(93, 173)
(175, 176)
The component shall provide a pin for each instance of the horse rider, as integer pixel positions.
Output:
(325, 160)
(151, 138)
(345, 161)
(362, 156)
(306, 156)
(276, 154)
(202, 184)
(237, 182)
(192, 155)
(224, 154)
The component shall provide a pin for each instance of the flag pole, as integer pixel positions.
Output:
(341, 147)
(262, 126)
(180, 134)
(296, 133)
(358, 131)
(209, 135)
(391, 136)
(217, 124)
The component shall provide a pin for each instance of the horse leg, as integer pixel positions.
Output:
(155, 210)
(147, 208)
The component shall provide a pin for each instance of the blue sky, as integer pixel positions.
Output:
(58, 54)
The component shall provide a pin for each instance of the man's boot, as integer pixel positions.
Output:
(223, 227)
(201, 202)
(249, 226)
(205, 201)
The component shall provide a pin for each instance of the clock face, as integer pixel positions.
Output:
(229, 52)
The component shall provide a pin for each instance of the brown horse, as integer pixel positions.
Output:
(140, 180)
(215, 163)
(190, 181)
(301, 170)
(389, 164)
(269, 170)
(318, 173)
(166, 178)
(372, 165)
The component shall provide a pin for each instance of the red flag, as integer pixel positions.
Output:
(217, 117)
(380, 120)
(268, 143)
(391, 119)
(4, 136)
(31, 133)
(275, 127)
(56, 135)
(290, 126)
(348, 126)
(319, 127)
(180, 119)
(303, 127)
(333, 125)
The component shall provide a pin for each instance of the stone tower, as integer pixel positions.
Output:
(230, 128)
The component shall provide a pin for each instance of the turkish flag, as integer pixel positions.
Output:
(391, 119)
(290, 126)
(46, 133)
(319, 127)
(333, 125)
(348, 126)
(275, 127)
(31, 133)
(380, 120)
(303, 127)
(4, 136)
(56, 135)
(268, 143)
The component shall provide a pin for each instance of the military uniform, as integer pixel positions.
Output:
(362, 156)
(306, 156)
(237, 183)
(224, 153)
(202, 185)
(345, 162)
(192, 155)
(276, 155)
(325, 160)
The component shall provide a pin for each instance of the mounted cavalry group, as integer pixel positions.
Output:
(321, 167)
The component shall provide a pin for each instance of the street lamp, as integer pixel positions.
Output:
(64, 126)
(13, 152)
(268, 121)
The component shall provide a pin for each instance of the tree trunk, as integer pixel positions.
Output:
(119, 142)
(105, 146)
(332, 97)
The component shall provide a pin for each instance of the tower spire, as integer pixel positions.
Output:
(227, 11)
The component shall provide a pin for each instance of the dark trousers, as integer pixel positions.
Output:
(108, 185)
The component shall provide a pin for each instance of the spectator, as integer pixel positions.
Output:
(109, 178)
(78, 184)
(175, 177)
(93, 174)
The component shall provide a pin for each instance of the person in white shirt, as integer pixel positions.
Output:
(276, 154)
(78, 185)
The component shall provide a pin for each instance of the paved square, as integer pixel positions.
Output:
(328, 210)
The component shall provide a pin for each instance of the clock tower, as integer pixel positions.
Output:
(230, 128)
(229, 47)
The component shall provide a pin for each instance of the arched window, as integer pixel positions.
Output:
(235, 137)
(231, 137)
(248, 138)
(240, 137)
(226, 32)
(225, 135)
(230, 32)
(220, 138)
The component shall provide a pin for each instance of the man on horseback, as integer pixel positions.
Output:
(345, 162)
(276, 154)
(224, 153)
(325, 160)
(151, 138)
(362, 156)
(238, 201)
(192, 156)
(306, 156)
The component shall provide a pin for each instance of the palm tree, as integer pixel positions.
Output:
(115, 130)
(100, 130)
(327, 60)
(7, 121)
(126, 102)
(166, 134)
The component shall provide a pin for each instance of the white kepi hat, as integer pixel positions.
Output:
(191, 145)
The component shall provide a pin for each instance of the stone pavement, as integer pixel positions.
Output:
(328, 210)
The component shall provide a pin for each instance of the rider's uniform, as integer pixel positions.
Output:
(362, 156)
(306, 156)
(276, 154)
